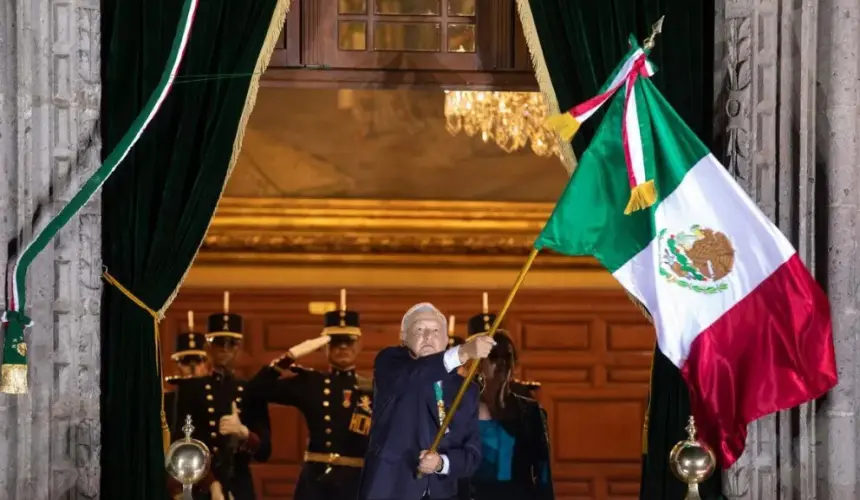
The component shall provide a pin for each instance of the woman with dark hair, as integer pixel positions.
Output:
(514, 438)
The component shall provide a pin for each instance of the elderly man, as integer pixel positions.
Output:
(414, 385)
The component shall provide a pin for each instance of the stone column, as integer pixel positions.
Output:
(747, 78)
(839, 154)
(787, 113)
(49, 137)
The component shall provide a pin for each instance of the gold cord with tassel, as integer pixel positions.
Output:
(648, 408)
(156, 319)
(642, 196)
(564, 124)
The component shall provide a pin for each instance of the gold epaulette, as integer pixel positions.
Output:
(363, 383)
(531, 384)
(175, 379)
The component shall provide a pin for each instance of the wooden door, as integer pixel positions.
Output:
(590, 349)
(392, 43)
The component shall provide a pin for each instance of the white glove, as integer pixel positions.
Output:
(308, 346)
(215, 491)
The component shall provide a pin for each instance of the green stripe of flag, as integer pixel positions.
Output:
(589, 217)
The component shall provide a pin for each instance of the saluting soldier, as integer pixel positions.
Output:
(190, 357)
(336, 404)
(481, 323)
(229, 420)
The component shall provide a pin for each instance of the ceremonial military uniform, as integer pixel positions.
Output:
(526, 388)
(189, 349)
(336, 405)
(208, 399)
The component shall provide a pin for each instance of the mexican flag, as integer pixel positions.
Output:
(733, 305)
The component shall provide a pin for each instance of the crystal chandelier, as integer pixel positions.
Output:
(513, 120)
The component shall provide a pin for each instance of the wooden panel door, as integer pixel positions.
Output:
(590, 349)
(429, 44)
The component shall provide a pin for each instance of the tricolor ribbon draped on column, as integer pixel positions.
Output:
(13, 377)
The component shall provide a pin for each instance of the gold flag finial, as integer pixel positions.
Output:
(691, 429)
(226, 302)
(656, 29)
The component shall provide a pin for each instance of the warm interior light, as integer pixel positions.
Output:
(513, 120)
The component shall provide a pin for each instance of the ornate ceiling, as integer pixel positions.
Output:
(378, 144)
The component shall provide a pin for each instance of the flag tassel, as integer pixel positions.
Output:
(641, 197)
(565, 125)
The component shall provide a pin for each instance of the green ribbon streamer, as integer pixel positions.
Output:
(13, 353)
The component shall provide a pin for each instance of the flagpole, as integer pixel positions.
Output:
(473, 369)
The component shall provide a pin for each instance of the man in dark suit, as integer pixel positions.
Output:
(414, 385)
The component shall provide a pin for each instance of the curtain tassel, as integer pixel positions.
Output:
(156, 319)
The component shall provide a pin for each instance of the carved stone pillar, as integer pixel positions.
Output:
(49, 105)
(839, 154)
(746, 82)
(787, 114)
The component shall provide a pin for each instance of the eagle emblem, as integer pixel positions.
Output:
(698, 259)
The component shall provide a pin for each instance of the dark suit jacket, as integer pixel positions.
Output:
(405, 421)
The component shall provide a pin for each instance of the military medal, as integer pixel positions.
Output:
(347, 398)
(364, 404)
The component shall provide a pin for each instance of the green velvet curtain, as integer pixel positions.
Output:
(668, 416)
(157, 206)
(582, 41)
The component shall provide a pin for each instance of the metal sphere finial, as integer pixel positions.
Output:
(692, 461)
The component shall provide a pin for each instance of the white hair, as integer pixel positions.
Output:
(413, 311)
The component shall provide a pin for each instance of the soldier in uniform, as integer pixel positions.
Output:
(229, 420)
(526, 388)
(190, 357)
(336, 404)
